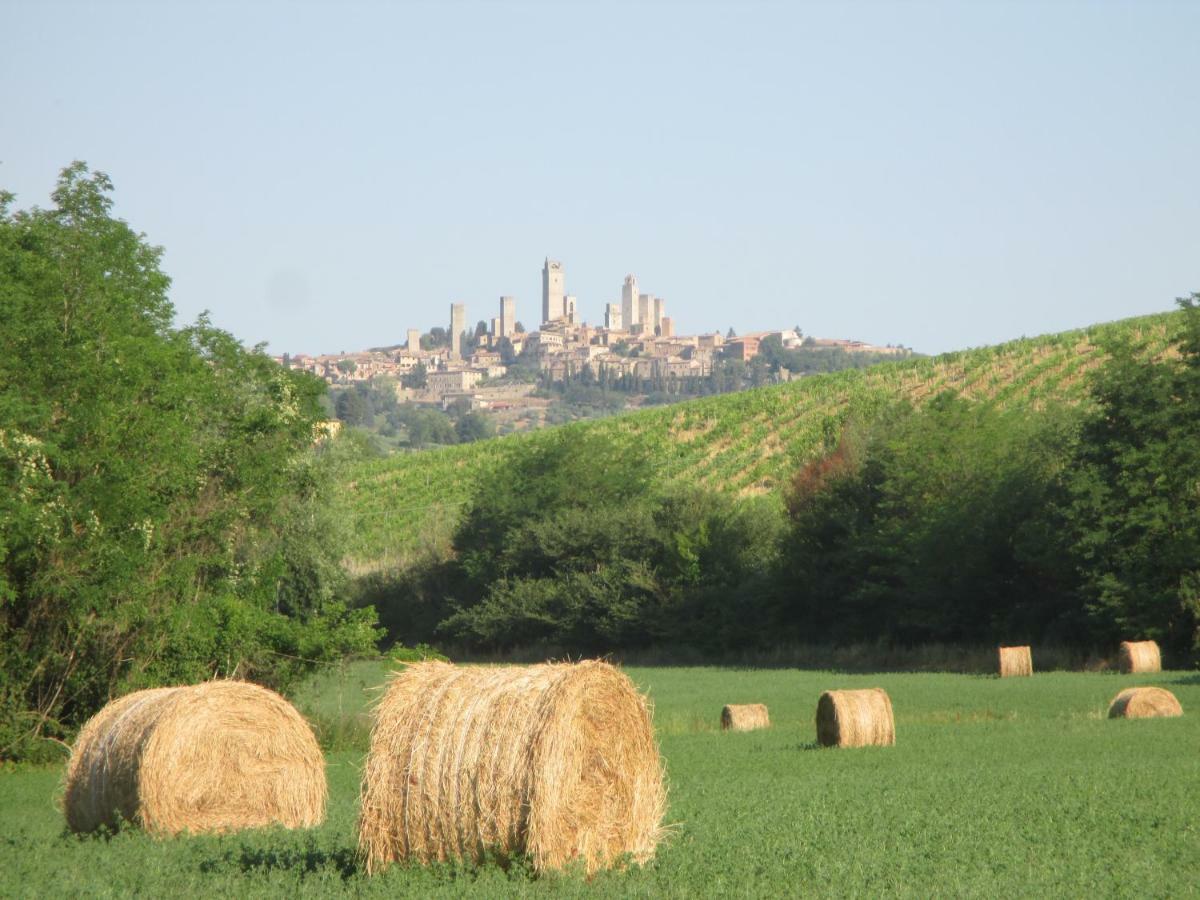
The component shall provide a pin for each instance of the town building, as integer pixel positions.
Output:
(508, 316)
(629, 303)
(458, 324)
(612, 316)
(553, 291)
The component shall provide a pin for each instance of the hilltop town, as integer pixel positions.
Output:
(635, 350)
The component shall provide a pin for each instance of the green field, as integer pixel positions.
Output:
(748, 443)
(994, 787)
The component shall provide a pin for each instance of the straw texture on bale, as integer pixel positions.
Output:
(855, 719)
(218, 756)
(745, 717)
(557, 762)
(1139, 656)
(1015, 662)
(1144, 703)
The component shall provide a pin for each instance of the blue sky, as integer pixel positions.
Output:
(323, 176)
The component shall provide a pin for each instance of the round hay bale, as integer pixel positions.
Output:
(1015, 662)
(855, 719)
(1144, 703)
(556, 761)
(1139, 656)
(218, 756)
(745, 717)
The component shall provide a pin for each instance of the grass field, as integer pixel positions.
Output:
(1018, 787)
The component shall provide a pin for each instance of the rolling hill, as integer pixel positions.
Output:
(747, 443)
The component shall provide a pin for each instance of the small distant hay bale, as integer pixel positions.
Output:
(855, 719)
(745, 717)
(1015, 662)
(1144, 703)
(213, 757)
(1139, 656)
(556, 762)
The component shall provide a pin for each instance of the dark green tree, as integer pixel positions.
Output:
(474, 426)
(417, 378)
(161, 501)
(1135, 506)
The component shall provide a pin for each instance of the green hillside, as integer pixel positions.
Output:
(747, 442)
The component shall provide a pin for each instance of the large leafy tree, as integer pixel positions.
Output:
(572, 544)
(928, 525)
(160, 512)
(1135, 504)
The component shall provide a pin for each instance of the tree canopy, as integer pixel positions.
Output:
(161, 511)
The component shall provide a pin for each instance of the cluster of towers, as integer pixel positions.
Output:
(557, 304)
(636, 313)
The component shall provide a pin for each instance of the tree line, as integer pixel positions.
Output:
(957, 521)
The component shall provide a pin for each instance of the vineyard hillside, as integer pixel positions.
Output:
(747, 443)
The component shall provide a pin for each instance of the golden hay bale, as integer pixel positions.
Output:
(745, 717)
(1144, 703)
(1139, 656)
(555, 761)
(1015, 661)
(218, 756)
(855, 719)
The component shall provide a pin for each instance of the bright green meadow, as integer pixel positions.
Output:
(1020, 786)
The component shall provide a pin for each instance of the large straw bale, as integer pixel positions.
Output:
(1139, 656)
(555, 761)
(745, 717)
(218, 756)
(1144, 703)
(1015, 662)
(855, 719)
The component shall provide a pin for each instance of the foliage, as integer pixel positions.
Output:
(436, 338)
(401, 655)
(161, 506)
(574, 548)
(1135, 495)
(929, 525)
(417, 378)
(810, 360)
(473, 426)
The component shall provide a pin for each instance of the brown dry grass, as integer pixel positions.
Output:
(218, 756)
(855, 719)
(1139, 656)
(555, 761)
(1015, 662)
(745, 717)
(1144, 703)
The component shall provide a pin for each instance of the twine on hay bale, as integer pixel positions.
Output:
(218, 756)
(1139, 656)
(1015, 662)
(555, 761)
(1144, 703)
(745, 717)
(855, 719)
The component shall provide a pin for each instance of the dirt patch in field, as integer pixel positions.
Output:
(682, 435)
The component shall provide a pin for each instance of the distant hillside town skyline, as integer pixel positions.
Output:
(636, 346)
